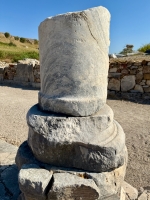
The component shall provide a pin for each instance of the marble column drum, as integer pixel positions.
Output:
(74, 62)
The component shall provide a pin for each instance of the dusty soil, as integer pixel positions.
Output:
(134, 118)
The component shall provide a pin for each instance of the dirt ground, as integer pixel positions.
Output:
(133, 117)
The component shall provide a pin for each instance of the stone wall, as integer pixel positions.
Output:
(20, 74)
(125, 77)
(129, 77)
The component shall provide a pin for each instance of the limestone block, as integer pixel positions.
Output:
(114, 75)
(9, 177)
(92, 143)
(148, 82)
(144, 196)
(131, 192)
(21, 197)
(25, 156)
(138, 88)
(146, 69)
(139, 77)
(146, 88)
(114, 84)
(24, 73)
(1, 70)
(114, 69)
(119, 196)
(34, 181)
(1, 77)
(68, 186)
(147, 76)
(133, 71)
(127, 83)
(74, 62)
(124, 72)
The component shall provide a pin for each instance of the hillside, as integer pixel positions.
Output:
(12, 50)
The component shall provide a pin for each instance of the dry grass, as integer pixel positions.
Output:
(12, 53)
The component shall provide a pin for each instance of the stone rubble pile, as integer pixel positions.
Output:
(21, 74)
(9, 174)
(75, 148)
(129, 76)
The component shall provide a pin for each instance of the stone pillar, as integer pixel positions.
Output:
(75, 149)
(74, 62)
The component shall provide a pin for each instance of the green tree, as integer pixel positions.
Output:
(144, 47)
(127, 49)
(16, 38)
(7, 35)
(36, 41)
(22, 40)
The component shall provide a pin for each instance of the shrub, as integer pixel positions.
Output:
(22, 40)
(16, 38)
(12, 44)
(144, 48)
(36, 41)
(7, 35)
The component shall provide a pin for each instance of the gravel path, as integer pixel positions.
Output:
(133, 117)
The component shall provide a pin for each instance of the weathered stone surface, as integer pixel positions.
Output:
(119, 196)
(10, 179)
(107, 182)
(71, 142)
(133, 71)
(144, 196)
(138, 88)
(74, 62)
(114, 75)
(146, 88)
(24, 73)
(21, 197)
(130, 191)
(3, 192)
(146, 69)
(124, 71)
(25, 156)
(34, 181)
(148, 82)
(139, 77)
(147, 76)
(114, 84)
(113, 70)
(7, 153)
(68, 186)
(127, 83)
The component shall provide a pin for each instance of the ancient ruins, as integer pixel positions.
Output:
(75, 149)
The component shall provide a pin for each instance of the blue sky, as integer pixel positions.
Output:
(130, 20)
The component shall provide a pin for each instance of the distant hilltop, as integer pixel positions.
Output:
(29, 40)
(14, 48)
